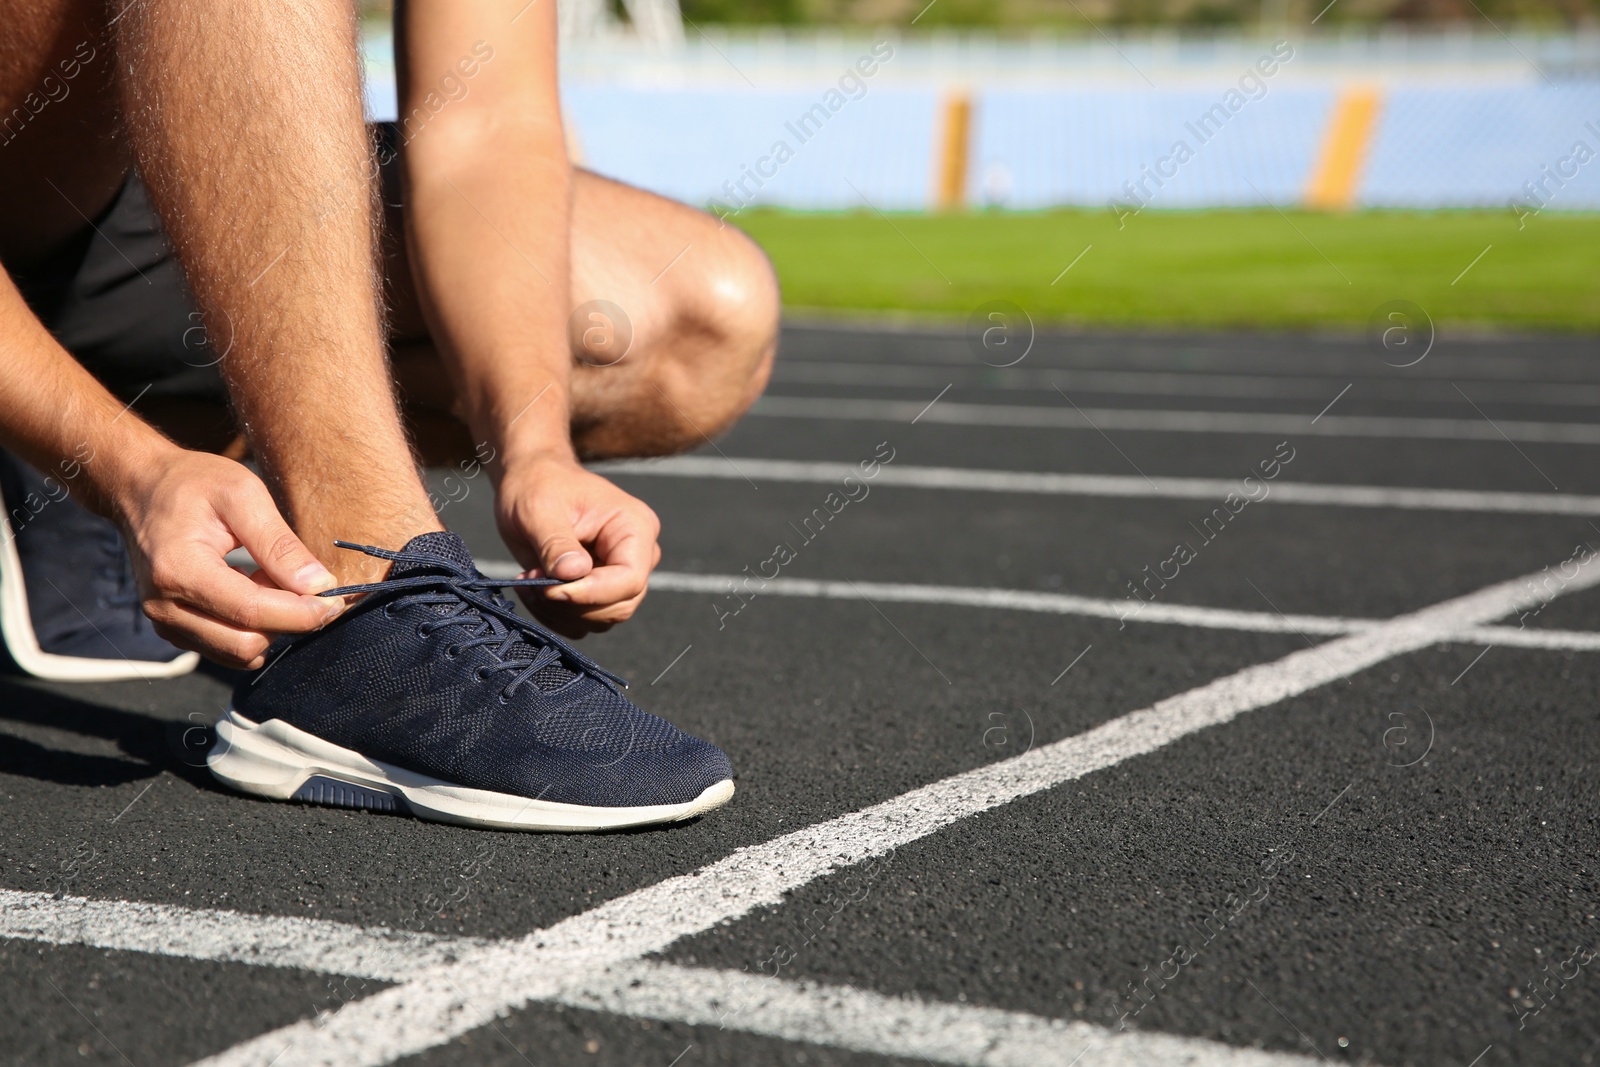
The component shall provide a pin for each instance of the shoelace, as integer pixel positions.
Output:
(494, 622)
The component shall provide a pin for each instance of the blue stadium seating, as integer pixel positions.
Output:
(692, 144)
(1060, 147)
(1474, 147)
(1432, 147)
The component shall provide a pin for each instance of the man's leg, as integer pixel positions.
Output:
(517, 769)
(700, 318)
(701, 307)
(249, 134)
(703, 302)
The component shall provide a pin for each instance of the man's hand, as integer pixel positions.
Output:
(183, 514)
(562, 521)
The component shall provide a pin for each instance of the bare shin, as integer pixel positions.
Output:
(247, 126)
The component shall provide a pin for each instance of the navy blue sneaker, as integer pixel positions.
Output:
(431, 695)
(69, 608)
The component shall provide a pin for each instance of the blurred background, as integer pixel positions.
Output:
(1262, 163)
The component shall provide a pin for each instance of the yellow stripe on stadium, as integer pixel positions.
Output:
(950, 177)
(1337, 175)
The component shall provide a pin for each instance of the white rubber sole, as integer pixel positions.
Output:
(275, 760)
(16, 626)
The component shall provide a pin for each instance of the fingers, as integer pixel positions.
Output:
(576, 620)
(227, 645)
(561, 554)
(181, 525)
(608, 595)
(561, 619)
(619, 582)
(255, 521)
(189, 578)
(626, 551)
(583, 530)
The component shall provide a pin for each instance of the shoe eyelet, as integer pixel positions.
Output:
(503, 698)
(480, 675)
(388, 611)
(452, 651)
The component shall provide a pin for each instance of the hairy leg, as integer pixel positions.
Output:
(698, 318)
(249, 133)
(700, 314)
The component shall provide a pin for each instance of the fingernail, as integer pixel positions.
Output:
(562, 559)
(335, 606)
(315, 577)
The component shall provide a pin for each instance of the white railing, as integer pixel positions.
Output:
(607, 51)
(716, 55)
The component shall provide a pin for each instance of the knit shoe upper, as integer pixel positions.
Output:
(432, 671)
(81, 598)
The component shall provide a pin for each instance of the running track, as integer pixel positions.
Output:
(1344, 759)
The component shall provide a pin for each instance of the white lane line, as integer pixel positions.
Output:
(1265, 622)
(862, 1021)
(443, 1001)
(1016, 600)
(841, 1017)
(1110, 485)
(226, 936)
(1067, 604)
(1188, 384)
(1241, 422)
(1519, 637)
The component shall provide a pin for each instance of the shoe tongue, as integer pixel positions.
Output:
(449, 546)
(444, 544)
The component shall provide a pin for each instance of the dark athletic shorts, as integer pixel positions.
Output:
(115, 297)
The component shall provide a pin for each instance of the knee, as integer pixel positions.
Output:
(727, 339)
(706, 351)
(740, 317)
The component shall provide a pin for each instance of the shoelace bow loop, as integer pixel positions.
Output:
(498, 624)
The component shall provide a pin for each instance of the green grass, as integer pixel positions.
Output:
(1256, 268)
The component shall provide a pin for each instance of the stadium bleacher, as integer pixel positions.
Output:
(1427, 125)
(1465, 146)
(716, 146)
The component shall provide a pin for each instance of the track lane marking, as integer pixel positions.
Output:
(863, 1021)
(1520, 637)
(1172, 383)
(1240, 354)
(1070, 604)
(226, 936)
(1170, 421)
(1110, 485)
(442, 1001)
(836, 1016)
(1017, 600)
(1090, 607)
